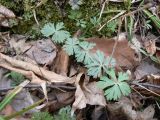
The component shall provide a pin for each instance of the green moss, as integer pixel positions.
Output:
(50, 13)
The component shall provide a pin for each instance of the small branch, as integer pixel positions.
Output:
(103, 6)
(142, 86)
(34, 14)
(71, 88)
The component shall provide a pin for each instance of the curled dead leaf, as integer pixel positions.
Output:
(150, 46)
(6, 12)
(85, 92)
(61, 63)
(31, 70)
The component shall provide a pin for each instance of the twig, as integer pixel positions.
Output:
(138, 84)
(116, 42)
(150, 85)
(103, 6)
(133, 12)
(34, 14)
(130, 13)
(39, 86)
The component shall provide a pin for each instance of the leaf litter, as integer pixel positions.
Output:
(79, 91)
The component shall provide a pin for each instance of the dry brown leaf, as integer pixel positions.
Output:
(23, 100)
(150, 46)
(8, 110)
(61, 63)
(144, 69)
(124, 110)
(29, 70)
(43, 52)
(147, 114)
(125, 56)
(85, 92)
(6, 12)
(59, 99)
(18, 43)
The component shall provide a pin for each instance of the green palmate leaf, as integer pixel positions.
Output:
(124, 87)
(113, 93)
(105, 82)
(58, 34)
(48, 29)
(122, 76)
(71, 46)
(99, 64)
(114, 87)
(84, 55)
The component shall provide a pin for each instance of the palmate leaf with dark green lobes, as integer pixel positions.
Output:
(114, 87)
(99, 64)
(58, 34)
(71, 46)
(84, 54)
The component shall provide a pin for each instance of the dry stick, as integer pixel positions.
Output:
(34, 14)
(133, 12)
(147, 89)
(70, 88)
(103, 6)
(150, 85)
(115, 44)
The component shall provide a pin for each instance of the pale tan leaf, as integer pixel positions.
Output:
(150, 46)
(85, 93)
(45, 74)
(43, 52)
(6, 12)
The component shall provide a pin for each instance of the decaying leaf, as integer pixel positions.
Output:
(85, 92)
(124, 55)
(42, 51)
(5, 14)
(150, 46)
(147, 114)
(145, 68)
(23, 100)
(5, 11)
(30, 70)
(61, 63)
(58, 99)
(154, 79)
(123, 110)
(18, 43)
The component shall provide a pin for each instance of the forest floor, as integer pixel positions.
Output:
(80, 60)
